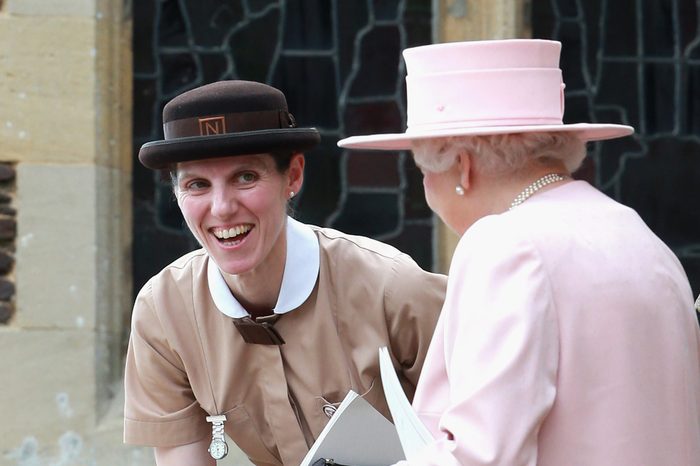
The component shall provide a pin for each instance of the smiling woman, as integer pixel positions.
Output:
(272, 320)
(236, 207)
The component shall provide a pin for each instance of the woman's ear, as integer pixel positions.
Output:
(296, 173)
(464, 165)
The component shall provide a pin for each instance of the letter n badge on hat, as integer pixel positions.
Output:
(212, 126)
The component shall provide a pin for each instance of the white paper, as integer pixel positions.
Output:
(357, 435)
(413, 434)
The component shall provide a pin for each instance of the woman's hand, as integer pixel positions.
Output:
(192, 454)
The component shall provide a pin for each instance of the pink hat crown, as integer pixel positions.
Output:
(481, 88)
(475, 84)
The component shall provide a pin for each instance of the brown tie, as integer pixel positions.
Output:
(259, 331)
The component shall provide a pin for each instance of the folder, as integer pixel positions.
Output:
(358, 435)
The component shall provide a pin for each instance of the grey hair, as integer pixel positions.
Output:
(501, 153)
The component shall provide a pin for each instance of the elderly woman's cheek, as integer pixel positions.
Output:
(431, 190)
(426, 192)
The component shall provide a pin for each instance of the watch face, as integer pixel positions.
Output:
(218, 449)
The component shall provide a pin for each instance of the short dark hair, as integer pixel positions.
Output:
(282, 160)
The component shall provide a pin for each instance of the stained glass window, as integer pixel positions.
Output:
(637, 63)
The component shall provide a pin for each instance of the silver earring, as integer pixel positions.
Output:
(459, 190)
(291, 194)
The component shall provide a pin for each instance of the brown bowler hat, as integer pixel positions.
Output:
(226, 118)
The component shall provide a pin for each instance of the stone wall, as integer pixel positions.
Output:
(65, 94)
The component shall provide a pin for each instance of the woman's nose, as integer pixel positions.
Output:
(223, 203)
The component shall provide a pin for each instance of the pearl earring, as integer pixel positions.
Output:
(459, 190)
(291, 194)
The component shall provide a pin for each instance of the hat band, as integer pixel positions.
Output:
(227, 123)
(478, 97)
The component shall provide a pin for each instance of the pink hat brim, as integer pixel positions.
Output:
(402, 141)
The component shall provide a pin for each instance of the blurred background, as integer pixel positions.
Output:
(83, 225)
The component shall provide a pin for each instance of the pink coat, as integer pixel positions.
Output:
(567, 338)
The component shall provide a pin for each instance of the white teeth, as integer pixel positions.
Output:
(232, 232)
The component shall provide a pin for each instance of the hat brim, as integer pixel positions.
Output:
(163, 154)
(402, 141)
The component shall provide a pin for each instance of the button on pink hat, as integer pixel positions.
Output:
(484, 87)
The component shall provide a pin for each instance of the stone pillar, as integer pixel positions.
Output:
(65, 124)
(458, 20)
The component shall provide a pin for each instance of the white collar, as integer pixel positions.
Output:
(298, 280)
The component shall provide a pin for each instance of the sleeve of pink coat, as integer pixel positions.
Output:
(501, 353)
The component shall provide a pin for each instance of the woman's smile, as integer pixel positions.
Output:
(232, 236)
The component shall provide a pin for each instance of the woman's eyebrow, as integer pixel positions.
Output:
(183, 174)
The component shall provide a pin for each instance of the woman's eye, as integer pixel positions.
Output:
(247, 177)
(195, 185)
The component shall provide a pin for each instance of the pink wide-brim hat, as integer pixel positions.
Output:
(481, 88)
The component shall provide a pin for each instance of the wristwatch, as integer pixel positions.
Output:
(218, 448)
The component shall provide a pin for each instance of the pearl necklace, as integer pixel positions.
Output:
(536, 186)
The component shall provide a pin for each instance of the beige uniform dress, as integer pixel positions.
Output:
(342, 297)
